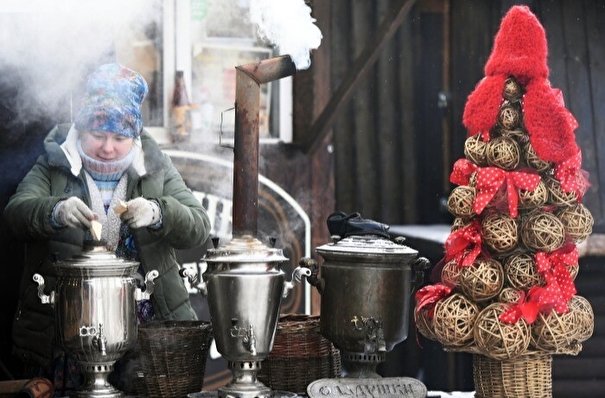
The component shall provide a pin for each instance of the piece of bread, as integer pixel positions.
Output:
(96, 229)
(121, 207)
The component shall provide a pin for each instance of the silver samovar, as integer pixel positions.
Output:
(244, 285)
(95, 313)
(365, 287)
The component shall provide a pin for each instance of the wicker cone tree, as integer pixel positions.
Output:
(507, 291)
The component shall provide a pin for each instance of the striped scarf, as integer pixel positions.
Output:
(106, 175)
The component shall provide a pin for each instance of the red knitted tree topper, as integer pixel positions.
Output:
(520, 50)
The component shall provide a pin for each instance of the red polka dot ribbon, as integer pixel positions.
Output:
(560, 287)
(462, 171)
(571, 176)
(431, 294)
(464, 245)
(491, 179)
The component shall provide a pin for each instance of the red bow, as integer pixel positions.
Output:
(490, 181)
(431, 294)
(560, 286)
(462, 171)
(526, 308)
(571, 177)
(464, 244)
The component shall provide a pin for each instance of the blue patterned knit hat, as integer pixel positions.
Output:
(112, 101)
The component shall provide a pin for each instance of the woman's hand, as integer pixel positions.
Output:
(141, 213)
(72, 212)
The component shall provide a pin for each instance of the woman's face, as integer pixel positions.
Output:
(105, 146)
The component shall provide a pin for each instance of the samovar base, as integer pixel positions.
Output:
(360, 365)
(214, 394)
(244, 383)
(96, 384)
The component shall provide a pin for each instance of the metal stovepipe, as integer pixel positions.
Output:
(249, 77)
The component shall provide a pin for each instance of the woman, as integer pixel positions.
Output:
(103, 158)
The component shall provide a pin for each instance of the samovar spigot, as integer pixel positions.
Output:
(99, 341)
(245, 334)
(250, 341)
(374, 334)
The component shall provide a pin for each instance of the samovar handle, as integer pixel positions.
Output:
(194, 280)
(419, 266)
(140, 294)
(297, 276)
(44, 298)
(313, 280)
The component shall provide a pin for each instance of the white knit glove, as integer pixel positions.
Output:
(141, 213)
(72, 212)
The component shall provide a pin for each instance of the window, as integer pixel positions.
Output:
(205, 40)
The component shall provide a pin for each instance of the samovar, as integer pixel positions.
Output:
(95, 313)
(366, 286)
(244, 285)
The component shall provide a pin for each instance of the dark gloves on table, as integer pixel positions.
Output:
(344, 225)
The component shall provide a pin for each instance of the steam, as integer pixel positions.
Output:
(49, 46)
(53, 44)
(289, 26)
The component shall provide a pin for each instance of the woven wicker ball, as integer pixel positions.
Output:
(503, 152)
(578, 221)
(475, 150)
(557, 333)
(499, 232)
(509, 117)
(512, 90)
(582, 311)
(500, 340)
(483, 280)
(573, 271)
(532, 199)
(472, 180)
(518, 135)
(542, 231)
(460, 201)
(582, 183)
(450, 274)
(424, 323)
(458, 223)
(532, 159)
(509, 295)
(453, 320)
(521, 272)
(556, 195)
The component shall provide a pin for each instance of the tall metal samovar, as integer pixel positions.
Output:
(366, 286)
(95, 307)
(244, 284)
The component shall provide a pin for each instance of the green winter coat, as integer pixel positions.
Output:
(53, 178)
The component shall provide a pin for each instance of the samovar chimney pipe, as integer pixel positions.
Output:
(249, 77)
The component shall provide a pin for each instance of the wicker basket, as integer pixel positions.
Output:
(173, 357)
(528, 375)
(300, 355)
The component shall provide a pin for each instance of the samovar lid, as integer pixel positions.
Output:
(366, 245)
(96, 259)
(245, 249)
